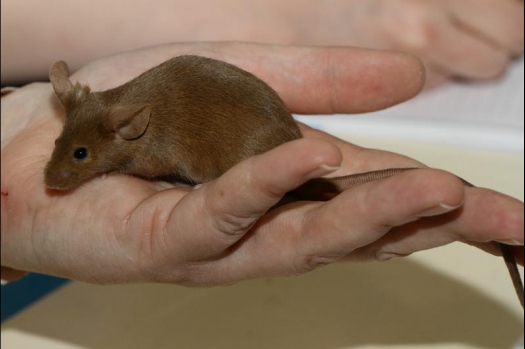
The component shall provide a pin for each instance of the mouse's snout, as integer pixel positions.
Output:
(65, 175)
(61, 180)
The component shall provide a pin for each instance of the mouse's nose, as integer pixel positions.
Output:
(59, 180)
(63, 175)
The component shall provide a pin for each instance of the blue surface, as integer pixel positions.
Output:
(19, 294)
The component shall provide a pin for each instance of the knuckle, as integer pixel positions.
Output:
(515, 41)
(423, 38)
(268, 189)
(226, 224)
(184, 275)
(517, 38)
(259, 181)
(386, 256)
(310, 262)
(144, 230)
(495, 66)
(232, 226)
(416, 28)
(490, 66)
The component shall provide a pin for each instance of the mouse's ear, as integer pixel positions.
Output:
(59, 76)
(129, 122)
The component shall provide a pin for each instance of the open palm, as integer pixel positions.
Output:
(124, 229)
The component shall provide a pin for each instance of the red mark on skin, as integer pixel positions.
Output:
(4, 193)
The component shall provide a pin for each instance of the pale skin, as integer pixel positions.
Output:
(123, 229)
(467, 39)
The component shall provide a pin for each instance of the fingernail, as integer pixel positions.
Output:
(511, 242)
(322, 170)
(439, 209)
(386, 256)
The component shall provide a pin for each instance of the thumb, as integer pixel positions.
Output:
(212, 218)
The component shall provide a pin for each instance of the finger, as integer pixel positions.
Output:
(311, 80)
(493, 216)
(359, 159)
(498, 22)
(436, 77)
(336, 80)
(228, 207)
(458, 52)
(485, 216)
(303, 236)
(395, 202)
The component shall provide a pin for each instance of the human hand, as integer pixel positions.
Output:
(470, 39)
(467, 39)
(124, 229)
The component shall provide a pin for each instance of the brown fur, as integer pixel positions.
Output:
(206, 116)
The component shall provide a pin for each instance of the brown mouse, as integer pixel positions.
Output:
(190, 118)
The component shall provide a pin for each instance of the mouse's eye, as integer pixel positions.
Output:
(80, 153)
